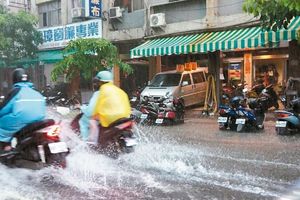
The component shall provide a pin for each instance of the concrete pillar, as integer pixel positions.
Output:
(154, 66)
(211, 11)
(293, 69)
(214, 64)
(157, 64)
(64, 12)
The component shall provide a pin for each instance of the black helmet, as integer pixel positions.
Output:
(19, 75)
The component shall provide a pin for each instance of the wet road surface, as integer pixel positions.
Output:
(193, 160)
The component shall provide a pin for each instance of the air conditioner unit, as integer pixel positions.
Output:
(157, 20)
(77, 12)
(115, 12)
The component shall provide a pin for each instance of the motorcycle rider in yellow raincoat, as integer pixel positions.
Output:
(112, 103)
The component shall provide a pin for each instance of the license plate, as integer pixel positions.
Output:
(144, 116)
(280, 124)
(222, 119)
(159, 121)
(58, 147)
(130, 142)
(240, 121)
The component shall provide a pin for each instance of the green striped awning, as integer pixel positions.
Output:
(211, 41)
(226, 40)
(269, 37)
(199, 43)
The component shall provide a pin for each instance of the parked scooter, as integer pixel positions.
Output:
(288, 121)
(171, 111)
(37, 145)
(116, 139)
(251, 119)
(149, 110)
(228, 113)
(231, 90)
(240, 118)
(271, 97)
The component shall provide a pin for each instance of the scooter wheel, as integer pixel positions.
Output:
(240, 128)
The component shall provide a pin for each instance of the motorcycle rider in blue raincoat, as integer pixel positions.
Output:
(22, 106)
(88, 126)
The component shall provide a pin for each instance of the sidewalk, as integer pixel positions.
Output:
(197, 113)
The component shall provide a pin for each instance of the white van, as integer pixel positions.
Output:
(189, 85)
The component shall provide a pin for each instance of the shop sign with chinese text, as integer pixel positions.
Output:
(59, 36)
(93, 8)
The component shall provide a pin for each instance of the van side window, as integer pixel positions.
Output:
(187, 78)
(198, 77)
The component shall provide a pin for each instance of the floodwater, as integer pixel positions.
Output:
(163, 166)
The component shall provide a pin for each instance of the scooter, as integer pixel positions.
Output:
(149, 112)
(271, 96)
(228, 113)
(288, 121)
(238, 117)
(171, 111)
(251, 119)
(37, 145)
(114, 140)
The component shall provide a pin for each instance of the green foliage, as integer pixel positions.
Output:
(88, 56)
(18, 36)
(274, 14)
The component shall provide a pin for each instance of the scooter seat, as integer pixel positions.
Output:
(120, 121)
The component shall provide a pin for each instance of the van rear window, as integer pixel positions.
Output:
(165, 80)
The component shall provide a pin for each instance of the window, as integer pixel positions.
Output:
(198, 77)
(131, 5)
(137, 4)
(187, 78)
(165, 80)
(49, 14)
(45, 20)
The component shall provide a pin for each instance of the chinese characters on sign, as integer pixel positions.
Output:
(93, 8)
(60, 36)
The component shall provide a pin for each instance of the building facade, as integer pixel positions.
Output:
(216, 34)
(16, 5)
(156, 35)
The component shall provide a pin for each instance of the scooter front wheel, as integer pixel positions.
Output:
(240, 128)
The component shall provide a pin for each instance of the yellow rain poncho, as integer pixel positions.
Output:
(112, 105)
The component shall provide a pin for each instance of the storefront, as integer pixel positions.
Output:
(245, 55)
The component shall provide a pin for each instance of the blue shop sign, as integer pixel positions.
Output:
(93, 8)
(60, 36)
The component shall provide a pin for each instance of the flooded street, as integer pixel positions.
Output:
(190, 161)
